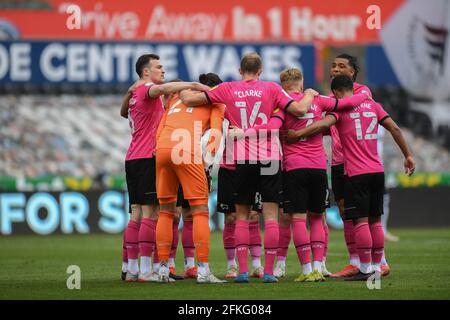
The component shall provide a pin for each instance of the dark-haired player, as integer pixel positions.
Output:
(364, 183)
(144, 109)
(345, 64)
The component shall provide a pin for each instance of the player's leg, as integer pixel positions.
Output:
(338, 186)
(295, 193)
(150, 212)
(225, 204)
(242, 239)
(317, 186)
(195, 188)
(228, 237)
(285, 221)
(190, 270)
(164, 236)
(325, 272)
(376, 212)
(255, 238)
(246, 182)
(173, 250)
(317, 238)
(133, 169)
(167, 187)
(271, 188)
(132, 237)
(124, 256)
(147, 238)
(357, 197)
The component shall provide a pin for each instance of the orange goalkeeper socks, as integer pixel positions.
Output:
(164, 235)
(201, 234)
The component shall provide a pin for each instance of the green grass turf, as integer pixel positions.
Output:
(33, 267)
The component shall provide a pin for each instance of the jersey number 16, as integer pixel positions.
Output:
(244, 124)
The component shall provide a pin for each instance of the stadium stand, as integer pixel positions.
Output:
(84, 135)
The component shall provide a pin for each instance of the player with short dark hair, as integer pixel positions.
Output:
(364, 183)
(143, 107)
(345, 64)
(305, 181)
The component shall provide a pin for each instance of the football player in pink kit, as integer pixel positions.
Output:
(251, 102)
(305, 181)
(144, 111)
(225, 204)
(345, 64)
(364, 184)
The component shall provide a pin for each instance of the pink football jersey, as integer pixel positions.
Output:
(358, 134)
(337, 157)
(309, 152)
(250, 103)
(144, 116)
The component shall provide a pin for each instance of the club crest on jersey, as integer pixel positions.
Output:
(313, 107)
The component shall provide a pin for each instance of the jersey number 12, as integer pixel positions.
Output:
(368, 135)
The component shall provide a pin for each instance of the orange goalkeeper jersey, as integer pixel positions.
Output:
(182, 127)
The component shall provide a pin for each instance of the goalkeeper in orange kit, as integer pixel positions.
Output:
(179, 160)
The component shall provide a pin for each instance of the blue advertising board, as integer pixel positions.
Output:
(63, 62)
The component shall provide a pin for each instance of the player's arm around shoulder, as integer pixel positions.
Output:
(157, 90)
(193, 98)
(315, 128)
(300, 108)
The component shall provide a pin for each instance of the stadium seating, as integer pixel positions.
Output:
(84, 135)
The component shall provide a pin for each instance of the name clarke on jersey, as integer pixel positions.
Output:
(249, 93)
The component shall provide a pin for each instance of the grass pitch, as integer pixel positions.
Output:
(34, 267)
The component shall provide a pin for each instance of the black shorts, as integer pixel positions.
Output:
(364, 195)
(141, 181)
(327, 199)
(181, 201)
(226, 186)
(257, 204)
(264, 177)
(226, 193)
(337, 181)
(305, 190)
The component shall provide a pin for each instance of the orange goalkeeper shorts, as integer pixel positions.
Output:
(169, 176)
